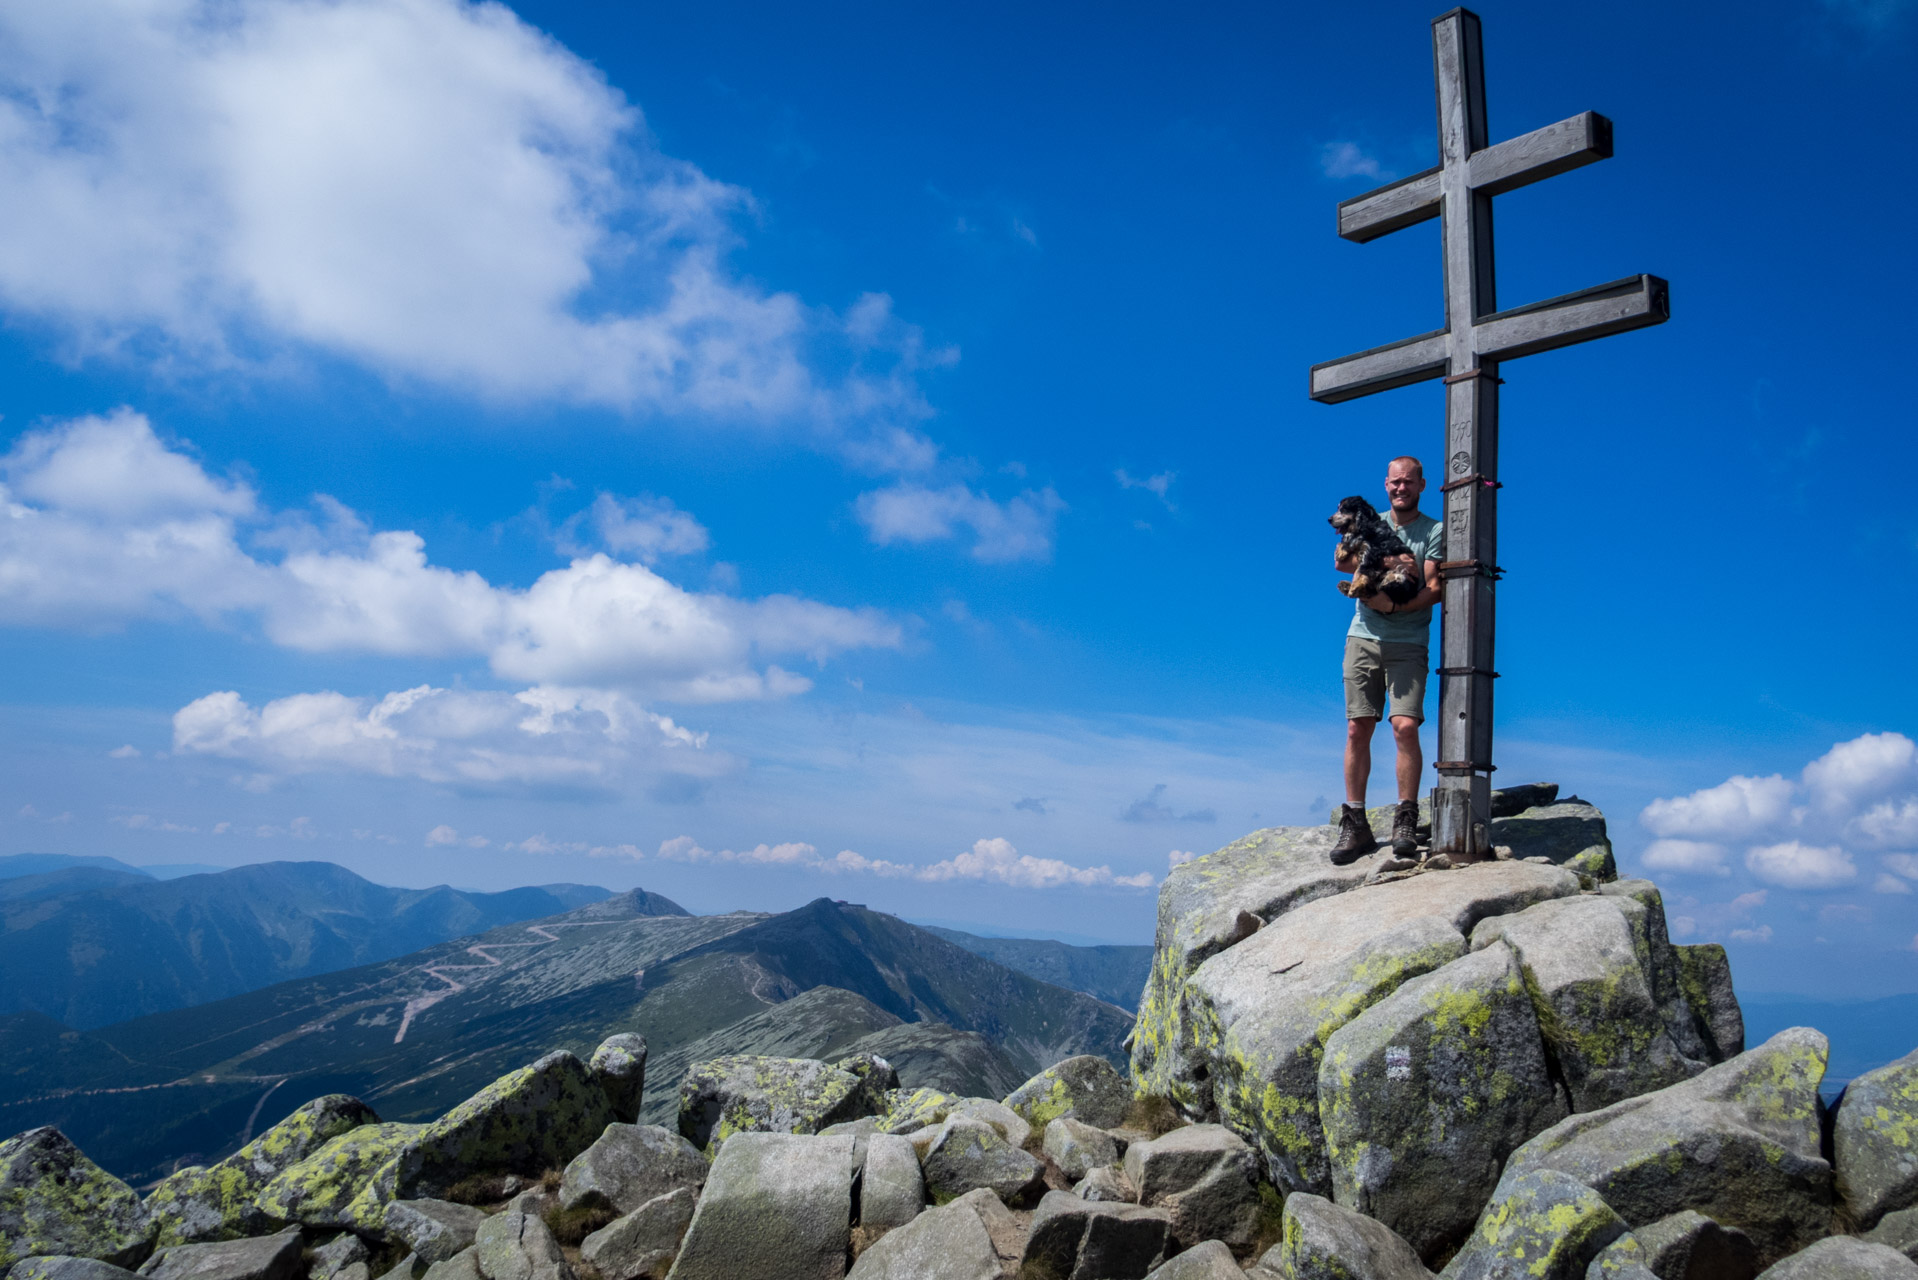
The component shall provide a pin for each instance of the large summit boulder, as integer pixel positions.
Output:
(221, 1201)
(53, 1200)
(1606, 982)
(1569, 832)
(1426, 1093)
(1739, 1143)
(1207, 906)
(1264, 1009)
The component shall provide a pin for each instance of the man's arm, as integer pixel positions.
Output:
(1434, 591)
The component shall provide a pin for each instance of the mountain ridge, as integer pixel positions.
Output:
(415, 1034)
(90, 945)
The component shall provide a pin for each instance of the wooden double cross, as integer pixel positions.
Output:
(1466, 353)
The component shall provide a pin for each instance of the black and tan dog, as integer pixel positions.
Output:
(1369, 540)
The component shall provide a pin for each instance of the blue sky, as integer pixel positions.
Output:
(673, 445)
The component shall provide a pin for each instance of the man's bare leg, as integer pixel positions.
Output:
(1358, 756)
(1405, 731)
(1355, 833)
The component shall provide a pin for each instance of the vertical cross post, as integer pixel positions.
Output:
(1462, 801)
(1466, 353)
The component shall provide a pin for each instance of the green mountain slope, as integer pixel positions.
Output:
(90, 945)
(1114, 974)
(415, 1035)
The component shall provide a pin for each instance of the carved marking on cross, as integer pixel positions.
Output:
(1466, 354)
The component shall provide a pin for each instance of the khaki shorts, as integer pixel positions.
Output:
(1374, 668)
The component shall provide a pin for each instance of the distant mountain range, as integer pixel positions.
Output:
(1113, 973)
(93, 941)
(416, 1034)
(1864, 1034)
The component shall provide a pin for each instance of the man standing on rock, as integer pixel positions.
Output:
(1385, 665)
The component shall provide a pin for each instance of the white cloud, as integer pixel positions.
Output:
(1795, 865)
(1158, 486)
(1864, 769)
(997, 861)
(1889, 884)
(443, 836)
(1687, 856)
(432, 188)
(539, 844)
(1905, 864)
(1348, 160)
(147, 822)
(991, 860)
(1888, 825)
(645, 528)
(1020, 528)
(1683, 926)
(1861, 794)
(127, 752)
(1178, 857)
(1736, 807)
(88, 558)
(544, 737)
(1761, 934)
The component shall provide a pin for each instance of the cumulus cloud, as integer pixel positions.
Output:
(992, 860)
(1734, 808)
(1687, 855)
(1019, 528)
(645, 528)
(74, 556)
(995, 860)
(1800, 833)
(431, 188)
(1761, 934)
(1862, 770)
(1795, 865)
(541, 738)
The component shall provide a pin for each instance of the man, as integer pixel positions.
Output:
(1385, 664)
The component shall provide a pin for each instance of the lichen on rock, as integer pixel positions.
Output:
(744, 1093)
(221, 1202)
(53, 1200)
(1875, 1141)
(1426, 1093)
(1082, 1088)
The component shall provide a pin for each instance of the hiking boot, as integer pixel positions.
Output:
(1355, 836)
(1405, 829)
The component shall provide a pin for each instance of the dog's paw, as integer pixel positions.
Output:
(1345, 588)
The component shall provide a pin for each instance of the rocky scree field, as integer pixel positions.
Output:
(1506, 1070)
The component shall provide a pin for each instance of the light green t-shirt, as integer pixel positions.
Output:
(1426, 537)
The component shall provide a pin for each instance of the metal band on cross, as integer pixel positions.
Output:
(1466, 353)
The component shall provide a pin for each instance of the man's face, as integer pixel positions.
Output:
(1403, 485)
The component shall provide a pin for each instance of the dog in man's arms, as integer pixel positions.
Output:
(1384, 562)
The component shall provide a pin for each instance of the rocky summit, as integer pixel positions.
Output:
(1493, 1072)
